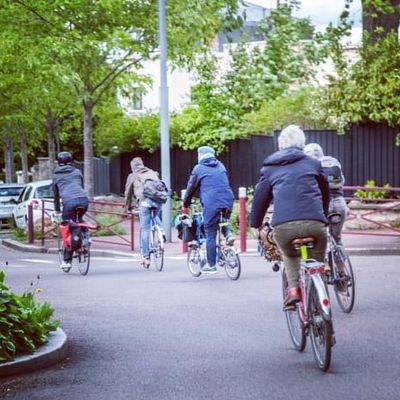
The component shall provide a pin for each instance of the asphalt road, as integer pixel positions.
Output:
(140, 334)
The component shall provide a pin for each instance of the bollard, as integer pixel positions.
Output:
(242, 219)
(132, 231)
(185, 245)
(30, 224)
(42, 229)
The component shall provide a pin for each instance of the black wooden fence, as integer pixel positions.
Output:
(365, 152)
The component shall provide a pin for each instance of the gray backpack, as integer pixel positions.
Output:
(155, 190)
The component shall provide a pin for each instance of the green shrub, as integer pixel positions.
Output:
(24, 324)
(107, 219)
(373, 194)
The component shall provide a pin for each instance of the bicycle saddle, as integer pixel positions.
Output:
(301, 241)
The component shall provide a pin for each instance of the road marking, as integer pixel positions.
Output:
(113, 259)
(36, 261)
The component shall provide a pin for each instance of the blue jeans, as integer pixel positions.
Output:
(211, 241)
(145, 226)
(68, 212)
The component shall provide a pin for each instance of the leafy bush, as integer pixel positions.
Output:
(24, 324)
(373, 194)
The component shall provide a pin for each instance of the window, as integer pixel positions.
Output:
(137, 100)
(44, 192)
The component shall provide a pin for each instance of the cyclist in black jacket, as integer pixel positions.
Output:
(68, 186)
(299, 190)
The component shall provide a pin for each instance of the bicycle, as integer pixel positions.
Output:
(156, 242)
(341, 276)
(312, 315)
(227, 256)
(81, 254)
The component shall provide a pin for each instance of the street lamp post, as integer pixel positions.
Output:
(164, 111)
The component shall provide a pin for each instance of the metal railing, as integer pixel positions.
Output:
(367, 208)
(92, 215)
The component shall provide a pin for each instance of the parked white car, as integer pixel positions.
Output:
(9, 193)
(33, 193)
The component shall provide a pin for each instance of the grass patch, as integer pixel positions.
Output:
(109, 220)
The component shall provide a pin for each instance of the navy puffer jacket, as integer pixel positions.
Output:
(296, 184)
(211, 179)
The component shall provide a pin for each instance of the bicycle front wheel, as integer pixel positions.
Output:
(157, 247)
(321, 331)
(344, 285)
(294, 322)
(61, 250)
(194, 261)
(231, 263)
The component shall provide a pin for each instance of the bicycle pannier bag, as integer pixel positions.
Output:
(76, 236)
(66, 235)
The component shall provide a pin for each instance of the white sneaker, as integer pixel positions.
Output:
(209, 269)
(65, 265)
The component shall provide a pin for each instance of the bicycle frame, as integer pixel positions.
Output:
(312, 271)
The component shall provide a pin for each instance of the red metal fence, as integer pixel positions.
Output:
(96, 210)
(379, 216)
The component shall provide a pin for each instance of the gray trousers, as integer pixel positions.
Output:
(284, 234)
(338, 205)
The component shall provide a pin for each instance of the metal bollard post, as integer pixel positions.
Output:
(185, 245)
(30, 224)
(42, 228)
(132, 216)
(242, 219)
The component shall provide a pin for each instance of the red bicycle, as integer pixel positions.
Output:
(75, 237)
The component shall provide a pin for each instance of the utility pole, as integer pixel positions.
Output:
(164, 117)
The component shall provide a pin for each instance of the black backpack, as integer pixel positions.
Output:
(155, 190)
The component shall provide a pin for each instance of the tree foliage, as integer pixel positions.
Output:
(256, 75)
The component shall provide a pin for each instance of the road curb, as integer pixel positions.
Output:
(54, 351)
(29, 248)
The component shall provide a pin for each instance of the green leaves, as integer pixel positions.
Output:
(24, 324)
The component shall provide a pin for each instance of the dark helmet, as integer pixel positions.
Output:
(64, 158)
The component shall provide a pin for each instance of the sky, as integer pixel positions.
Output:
(322, 12)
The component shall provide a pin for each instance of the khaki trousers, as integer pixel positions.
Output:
(284, 234)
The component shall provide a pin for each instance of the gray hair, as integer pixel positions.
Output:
(291, 136)
(314, 150)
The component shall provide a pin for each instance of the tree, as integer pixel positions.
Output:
(102, 44)
(257, 75)
(380, 18)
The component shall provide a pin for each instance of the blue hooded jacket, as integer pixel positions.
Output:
(296, 184)
(209, 176)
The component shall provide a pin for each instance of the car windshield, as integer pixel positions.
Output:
(10, 191)
(44, 192)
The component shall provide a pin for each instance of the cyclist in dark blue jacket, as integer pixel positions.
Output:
(209, 176)
(299, 190)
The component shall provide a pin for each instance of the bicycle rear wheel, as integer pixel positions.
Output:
(294, 322)
(83, 260)
(61, 249)
(231, 263)
(194, 261)
(344, 285)
(157, 246)
(321, 331)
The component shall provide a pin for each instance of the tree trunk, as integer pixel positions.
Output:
(9, 159)
(373, 19)
(24, 158)
(51, 148)
(88, 167)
